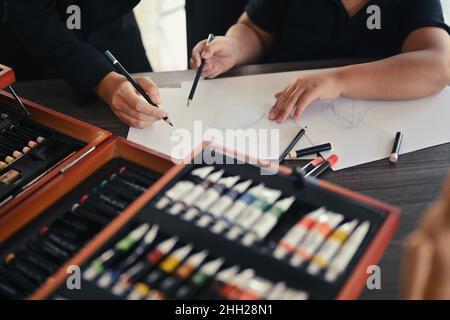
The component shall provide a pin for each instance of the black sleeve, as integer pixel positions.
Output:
(423, 13)
(268, 14)
(43, 33)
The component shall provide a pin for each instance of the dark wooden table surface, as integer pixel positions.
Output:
(412, 185)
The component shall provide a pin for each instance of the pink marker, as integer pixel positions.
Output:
(396, 149)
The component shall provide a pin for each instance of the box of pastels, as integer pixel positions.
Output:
(237, 230)
(37, 145)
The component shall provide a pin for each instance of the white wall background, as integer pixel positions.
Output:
(163, 27)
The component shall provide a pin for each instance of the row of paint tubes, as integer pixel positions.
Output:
(140, 266)
(248, 214)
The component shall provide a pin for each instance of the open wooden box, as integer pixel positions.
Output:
(314, 193)
(89, 138)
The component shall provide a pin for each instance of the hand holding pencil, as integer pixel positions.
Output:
(133, 100)
(220, 56)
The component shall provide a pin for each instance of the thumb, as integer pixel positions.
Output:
(212, 48)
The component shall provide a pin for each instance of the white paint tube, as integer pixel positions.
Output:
(267, 222)
(183, 187)
(236, 209)
(218, 209)
(188, 199)
(210, 197)
(347, 252)
(253, 213)
(316, 237)
(297, 233)
(335, 242)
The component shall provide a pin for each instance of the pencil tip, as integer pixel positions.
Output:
(189, 102)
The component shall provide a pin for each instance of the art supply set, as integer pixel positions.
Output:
(147, 264)
(141, 227)
(275, 236)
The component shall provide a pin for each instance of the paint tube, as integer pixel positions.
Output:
(268, 221)
(223, 278)
(183, 273)
(236, 209)
(256, 289)
(210, 197)
(188, 199)
(183, 187)
(232, 290)
(322, 259)
(225, 202)
(294, 295)
(166, 267)
(316, 237)
(347, 252)
(115, 254)
(199, 280)
(253, 213)
(110, 276)
(276, 293)
(128, 278)
(297, 233)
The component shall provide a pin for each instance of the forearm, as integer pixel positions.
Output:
(249, 47)
(41, 31)
(406, 76)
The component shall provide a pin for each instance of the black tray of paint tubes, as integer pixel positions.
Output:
(27, 151)
(69, 224)
(283, 277)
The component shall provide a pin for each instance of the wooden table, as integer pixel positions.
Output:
(411, 185)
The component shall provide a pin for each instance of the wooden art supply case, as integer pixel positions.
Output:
(310, 194)
(78, 137)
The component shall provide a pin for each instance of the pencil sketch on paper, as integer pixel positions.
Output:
(232, 117)
(235, 123)
(344, 113)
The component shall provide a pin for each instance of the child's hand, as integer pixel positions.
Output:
(220, 56)
(304, 91)
(427, 258)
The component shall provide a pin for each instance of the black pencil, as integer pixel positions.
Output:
(199, 73)
(136, 85)
(292, 145)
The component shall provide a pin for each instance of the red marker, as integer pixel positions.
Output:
(311, 166)
(331, 161)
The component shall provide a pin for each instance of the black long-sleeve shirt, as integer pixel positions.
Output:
(38, 32)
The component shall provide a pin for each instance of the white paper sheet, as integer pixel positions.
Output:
(360, 131)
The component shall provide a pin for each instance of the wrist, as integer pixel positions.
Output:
(106, 87)
(342, 77)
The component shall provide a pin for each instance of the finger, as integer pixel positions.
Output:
(135, 102)
(438, 286)
(278, 107)
(207, 68)
(132, 122)
(417, 266)
(446, 199)
(213, 48)
(211, 71)
(123, 107)
(196, 55)
(291, 103)
(150, 87)
(308, 97)
(215, 71)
